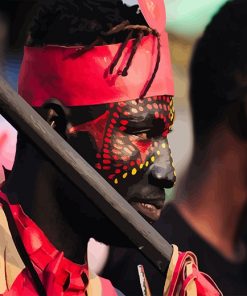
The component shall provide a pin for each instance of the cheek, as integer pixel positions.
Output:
(122, 151)
(125, 156)
(84, 144)
(122, 158)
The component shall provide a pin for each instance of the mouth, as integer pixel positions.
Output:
(149, 209)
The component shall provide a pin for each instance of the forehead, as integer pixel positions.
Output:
(151, 103)
(139, 110)
(144, 109)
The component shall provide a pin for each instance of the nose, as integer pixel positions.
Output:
(162, 173)
(162, 176)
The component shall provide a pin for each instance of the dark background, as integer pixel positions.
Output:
(17, 14)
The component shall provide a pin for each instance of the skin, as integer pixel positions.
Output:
(130, 143)
(52, 201)
(218, 191)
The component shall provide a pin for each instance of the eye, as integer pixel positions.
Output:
(137, 131)
(147, 134)
(139, 134)
(157, 128)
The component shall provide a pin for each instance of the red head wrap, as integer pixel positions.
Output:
(79, 79)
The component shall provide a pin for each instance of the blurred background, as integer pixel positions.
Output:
(186, 19)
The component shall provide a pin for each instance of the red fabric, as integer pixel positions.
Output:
(51, 265)
(205, 286)
(154, 13)
(83, 79)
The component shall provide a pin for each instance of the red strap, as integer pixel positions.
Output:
(180, 281)
(176, 274)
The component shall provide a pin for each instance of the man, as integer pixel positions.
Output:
(119, 126)
(70, 45)
(210, 208)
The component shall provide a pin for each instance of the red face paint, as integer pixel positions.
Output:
(127, 135)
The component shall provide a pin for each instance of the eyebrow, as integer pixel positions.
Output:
(139, 119)
(142, 123)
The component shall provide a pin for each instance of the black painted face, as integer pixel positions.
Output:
(130, 149)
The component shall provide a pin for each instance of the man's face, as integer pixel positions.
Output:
(130, 150)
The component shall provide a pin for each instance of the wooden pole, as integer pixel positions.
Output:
(25, 119)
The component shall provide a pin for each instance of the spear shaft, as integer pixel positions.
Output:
(25, 119)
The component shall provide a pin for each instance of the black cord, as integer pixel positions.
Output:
(21, 248)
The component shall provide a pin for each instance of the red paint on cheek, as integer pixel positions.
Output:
(122, 128)
(96, 128)
(142, 147)
(98, 166)
(124, 122)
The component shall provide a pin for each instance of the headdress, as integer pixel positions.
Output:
(80, 76)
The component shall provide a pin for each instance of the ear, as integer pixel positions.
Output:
(57, 115)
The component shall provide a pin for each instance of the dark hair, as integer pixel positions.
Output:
(219, 67)
(71, 22)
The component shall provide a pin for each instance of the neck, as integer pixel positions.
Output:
(214, 204)
(36, 191)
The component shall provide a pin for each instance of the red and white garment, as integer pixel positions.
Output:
(58, 275)
(183, 278)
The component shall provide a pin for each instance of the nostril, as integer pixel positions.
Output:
(169, 183)
(162, 177)
(158, 172)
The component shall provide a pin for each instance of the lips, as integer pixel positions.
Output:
(150, 209)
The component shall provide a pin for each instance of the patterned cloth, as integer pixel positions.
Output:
(58, 275)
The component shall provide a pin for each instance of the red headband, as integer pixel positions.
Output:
(83, 79)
